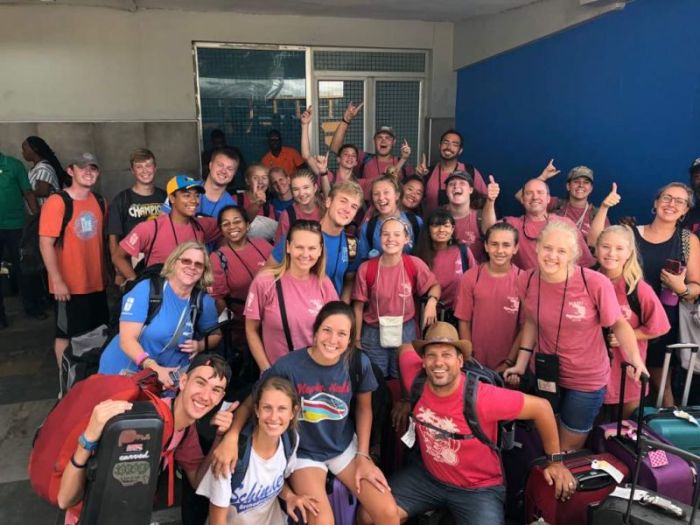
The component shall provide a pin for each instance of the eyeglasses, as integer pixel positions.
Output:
(451, 143)
(198, 265)
(668, 199)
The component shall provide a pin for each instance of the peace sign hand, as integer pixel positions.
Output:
(351, 111)
(422, 168)
(307, 115)
(405, 150)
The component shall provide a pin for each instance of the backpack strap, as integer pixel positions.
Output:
(67, 216)
(635, 305)
(365, 161)
(417, 388)
(415, 227)
(147, 255)
(289, 442)
(101, 202)
(245, 445)
(222, 260)
(292, 214)
(465, 259)
(471, 387)
(369, 232)
(283, 314)
(372, 271)
(124, 204)
(155, 297)
(355, 371)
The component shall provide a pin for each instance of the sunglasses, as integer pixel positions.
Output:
(198, 265)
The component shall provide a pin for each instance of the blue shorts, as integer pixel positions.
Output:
(385, 358)
(416, 492)
(578, 410)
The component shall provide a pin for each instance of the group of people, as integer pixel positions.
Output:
(373, 274)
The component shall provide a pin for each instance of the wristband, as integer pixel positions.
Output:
(144, 364)
(685, 292)
(76, 464)
(90, 446)
(509, 362)
(140, 359)
(525, 349)
(364, 455)
(324, 174)
(346, 121)
(437, 299)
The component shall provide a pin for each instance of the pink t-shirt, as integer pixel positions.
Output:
(243, 265)
(283, 225)
(467, 231)
(447, 268)
(373, 168)
(437, 183)
(466, 463)
(526, 258)
(169, 235)
(575, 214)
(245, 203)
(303, 299)
(583, 356)
(655, 324)
(492, 305)
(391, 279)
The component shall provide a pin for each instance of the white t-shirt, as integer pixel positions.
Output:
(255, 500)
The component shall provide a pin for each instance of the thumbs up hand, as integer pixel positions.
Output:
(493, 189)
(613, 198)
(223, 419)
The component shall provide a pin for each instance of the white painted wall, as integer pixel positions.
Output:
(64, 63)
(483, 37)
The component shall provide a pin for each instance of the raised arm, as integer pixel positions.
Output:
(548, 172)
(339, 136)
(598, 222)
(488, 214)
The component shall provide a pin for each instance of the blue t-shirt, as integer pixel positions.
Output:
(364, 246)
(206, 207)
(325, 424)
(158, 333)
(280, 205)
(337, 258)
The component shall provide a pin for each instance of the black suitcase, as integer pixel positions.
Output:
(122, 476)
(651, 510)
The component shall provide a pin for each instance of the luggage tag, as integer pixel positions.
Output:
(409, 438)
(658, 458)
(682, 414)
(601, 464)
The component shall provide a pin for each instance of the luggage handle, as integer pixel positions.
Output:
(667, 364)
(645, 445)
(644, 378)
(593, 480)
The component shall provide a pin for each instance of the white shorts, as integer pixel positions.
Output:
(336, 465)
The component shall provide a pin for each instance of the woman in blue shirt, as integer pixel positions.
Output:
(167, 342)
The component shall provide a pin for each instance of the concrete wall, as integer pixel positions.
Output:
(92, 64)
(486, 36)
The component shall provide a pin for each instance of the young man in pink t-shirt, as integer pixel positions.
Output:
(459, 472)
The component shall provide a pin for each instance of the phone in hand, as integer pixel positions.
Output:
(673, 266)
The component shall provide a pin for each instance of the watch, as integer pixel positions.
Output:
(557, 457)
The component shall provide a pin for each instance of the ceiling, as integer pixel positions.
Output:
(429, 10)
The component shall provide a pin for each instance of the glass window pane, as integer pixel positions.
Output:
(333, 98)
(397, 105)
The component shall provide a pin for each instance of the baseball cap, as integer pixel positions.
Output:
(695, 166)
(386, 129)
(459, 174)
(578, 172)
(183, 182)
(444, 333)
(84, 159)
(217, 362)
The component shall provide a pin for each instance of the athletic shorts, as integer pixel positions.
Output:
(82, 313)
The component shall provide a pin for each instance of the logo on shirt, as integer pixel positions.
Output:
(149, 210)
(315, 306)
(579, 311)
(85, 226)
(406, 291)
(439, 446)
(323, 407)
(458, 267)
(133, 239)
(513, 305)
(128, 304)
(244, 500)
(626, 311)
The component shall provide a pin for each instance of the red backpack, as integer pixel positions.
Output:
(57, 438)
(373, 271)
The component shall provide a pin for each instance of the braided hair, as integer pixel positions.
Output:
(44, 151)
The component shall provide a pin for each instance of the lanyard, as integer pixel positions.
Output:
(579, 222)
(528, 237)
(401, 280)
(252, 275)
(172, 227)
(561, 311)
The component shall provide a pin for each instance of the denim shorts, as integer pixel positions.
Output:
(385, 358)
(416, 492)
(578, 410)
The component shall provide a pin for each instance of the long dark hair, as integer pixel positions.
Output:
(44, 151)
(425, 249)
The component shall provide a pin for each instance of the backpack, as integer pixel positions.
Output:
(56, 439)
(367, 158)
(372, 227)
(245, 445)
(463, 256)
(475, 373)
(147, 255)
(292, 214)
(68, 212)
(373, 271)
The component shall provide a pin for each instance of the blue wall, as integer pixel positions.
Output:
(620, 94)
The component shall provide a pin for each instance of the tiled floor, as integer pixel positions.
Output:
(28, 388)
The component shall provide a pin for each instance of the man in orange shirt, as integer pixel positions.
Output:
(281, 156)
(72, 245)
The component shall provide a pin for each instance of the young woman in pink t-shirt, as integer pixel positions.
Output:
(488, 298)
(300, 281)
(446, 257)
(616, 251)
(385, 287)
(308, 203)
(566, 309)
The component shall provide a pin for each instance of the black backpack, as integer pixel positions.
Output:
(475, 374)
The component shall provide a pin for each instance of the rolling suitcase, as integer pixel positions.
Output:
(639, 507)
(343, 502)
(595, 482)
(680, 427)
(663, 473)
(122, 475)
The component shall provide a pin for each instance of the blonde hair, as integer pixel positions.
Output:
(308, 174)
(318, 269)
(349, 188)
(283, 385)
(632, 269)
(207, 278)
(569, 231)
